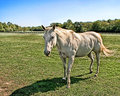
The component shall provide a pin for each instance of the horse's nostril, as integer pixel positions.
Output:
(48, 52)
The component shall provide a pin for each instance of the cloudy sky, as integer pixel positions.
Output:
(44, 12)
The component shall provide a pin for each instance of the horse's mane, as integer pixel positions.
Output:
(65, 33)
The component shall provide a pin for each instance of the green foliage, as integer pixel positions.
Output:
(14, 27)
(6, 27)
(38, 28)
(56, 24)
(87, 26)
(1, 28)
(78, 27)
(98, 26)
(68, 25)
(117, 26)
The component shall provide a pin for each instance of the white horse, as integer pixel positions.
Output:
(71, 45)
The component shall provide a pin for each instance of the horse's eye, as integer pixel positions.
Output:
(52, 37)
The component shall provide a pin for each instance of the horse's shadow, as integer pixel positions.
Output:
(45, 86)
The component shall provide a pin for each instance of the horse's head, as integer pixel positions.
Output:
(50, 39)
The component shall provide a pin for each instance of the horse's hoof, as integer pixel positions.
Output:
(68, 87)
(63, 78)
(96, 75)
(91, 72)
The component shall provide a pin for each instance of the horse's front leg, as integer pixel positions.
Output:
(64, 66)
(70, 63)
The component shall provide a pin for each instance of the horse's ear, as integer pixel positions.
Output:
(43, 27)
(53, 27)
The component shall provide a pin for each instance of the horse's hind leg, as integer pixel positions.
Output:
(98, 62)
(90, 55)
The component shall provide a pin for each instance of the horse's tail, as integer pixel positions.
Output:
(106, 51)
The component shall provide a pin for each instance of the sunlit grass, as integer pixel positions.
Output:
(25, 70)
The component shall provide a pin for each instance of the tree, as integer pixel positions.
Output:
(1, 28)
(11, 26)
(56, 24)
(96, 26)
(117, 26)
(78, 27)
(87, 26)
(6, 27)
(68, 25)
(25, 29)
(104, 26)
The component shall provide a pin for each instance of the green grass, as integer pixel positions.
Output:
(26, 71)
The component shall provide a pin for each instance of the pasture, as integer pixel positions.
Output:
(26, 71)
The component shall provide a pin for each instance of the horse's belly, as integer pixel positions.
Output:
(81, 55)
(83, 52)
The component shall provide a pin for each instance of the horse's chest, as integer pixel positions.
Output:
(63, 52)
(64, 55)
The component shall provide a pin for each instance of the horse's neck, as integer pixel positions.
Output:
(59, 42)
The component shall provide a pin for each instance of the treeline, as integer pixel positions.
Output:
(112, 26)
(8, 27)
(98, 26)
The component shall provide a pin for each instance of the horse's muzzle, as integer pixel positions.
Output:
(47, 53)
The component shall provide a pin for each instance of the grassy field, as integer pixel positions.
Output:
(26, 71)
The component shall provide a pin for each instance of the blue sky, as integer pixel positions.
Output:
(44, 12)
